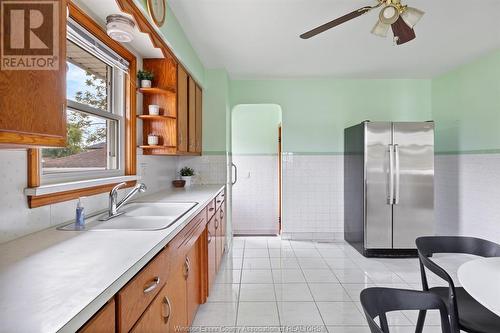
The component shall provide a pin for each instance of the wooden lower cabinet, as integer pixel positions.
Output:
(165, 295)
(193, 281)
(103, 321)
(212, 250)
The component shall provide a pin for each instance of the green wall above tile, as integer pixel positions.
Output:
(255, 129)
(466, 107)
(315, 112)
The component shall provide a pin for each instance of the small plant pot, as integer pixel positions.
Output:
(178, 183)
(154, 109)
(187, 179)
(145, 83)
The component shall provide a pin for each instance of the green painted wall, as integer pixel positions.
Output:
(215, 111)
(315, 112)
(466, 107)
(177, 40)
(255, 129)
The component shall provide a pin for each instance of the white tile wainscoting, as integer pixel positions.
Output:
(255, 201)
(467, 195)
(313, 196)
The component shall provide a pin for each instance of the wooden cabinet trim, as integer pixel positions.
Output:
(34, 170)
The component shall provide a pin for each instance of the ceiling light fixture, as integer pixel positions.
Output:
(393, 14)
(120, 28)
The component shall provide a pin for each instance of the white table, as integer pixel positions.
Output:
(481, 279)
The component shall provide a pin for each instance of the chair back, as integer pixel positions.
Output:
(377, 302)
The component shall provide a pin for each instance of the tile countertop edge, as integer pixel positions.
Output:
(203, 193)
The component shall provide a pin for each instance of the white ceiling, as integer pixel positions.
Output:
(259, 38)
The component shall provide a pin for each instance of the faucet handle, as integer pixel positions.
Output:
(115, 189)
(142, 187)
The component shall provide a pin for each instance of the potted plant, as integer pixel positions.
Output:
(145, 77)
(187, 174)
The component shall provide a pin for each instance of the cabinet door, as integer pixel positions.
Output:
(222, 228)
(182, 110)
(198, 121)
(176, 295)
(193, 281)
(33, 102)
(192, 116)
(212, 261)
(103, 321)
(217, 240)
(156, 317)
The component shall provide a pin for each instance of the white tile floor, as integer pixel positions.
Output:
(303, 286)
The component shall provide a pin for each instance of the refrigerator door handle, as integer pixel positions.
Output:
(396, 174)
(390, 197)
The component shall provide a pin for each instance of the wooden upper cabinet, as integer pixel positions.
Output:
(198, 121)
(182, 110)
(192, 116)
(33, 101)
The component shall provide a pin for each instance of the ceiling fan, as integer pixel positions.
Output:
(393, 14)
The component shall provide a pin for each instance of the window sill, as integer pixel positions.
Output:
(54, 193)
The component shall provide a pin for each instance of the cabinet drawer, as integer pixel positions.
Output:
(183, 242)
(211, 209)
(135, 297)
(219, 200)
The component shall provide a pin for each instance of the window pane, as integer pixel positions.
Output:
(86, 78)
(91, 145)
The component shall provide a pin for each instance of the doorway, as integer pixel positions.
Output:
(256, 155)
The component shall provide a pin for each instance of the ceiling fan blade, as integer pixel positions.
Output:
(402, 32)
(336, 22)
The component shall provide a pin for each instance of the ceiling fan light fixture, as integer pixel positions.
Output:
(389, 14)
(381, 29)
(402, 32)
(412, 16)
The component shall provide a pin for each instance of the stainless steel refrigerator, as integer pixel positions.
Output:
(388, 186)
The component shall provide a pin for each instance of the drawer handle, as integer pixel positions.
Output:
(152, 286)
(218, 201)
(187, 267)
(209, 237)
(211, 209)
(216, 224)
(166, 306)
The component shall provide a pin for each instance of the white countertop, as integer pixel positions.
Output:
(481, 279)
(55, 280)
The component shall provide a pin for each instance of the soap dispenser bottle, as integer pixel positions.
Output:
(80, 215)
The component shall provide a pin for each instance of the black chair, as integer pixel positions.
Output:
(466, 313)
(377, 302)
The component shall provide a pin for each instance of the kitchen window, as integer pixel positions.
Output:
(95, 90)
(100, 115)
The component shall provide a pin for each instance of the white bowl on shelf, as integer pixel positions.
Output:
(154, 109)
(153, 140)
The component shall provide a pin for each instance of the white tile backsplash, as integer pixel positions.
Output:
(209, 169)
(17, 220)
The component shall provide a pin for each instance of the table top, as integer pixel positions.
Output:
(481, 279)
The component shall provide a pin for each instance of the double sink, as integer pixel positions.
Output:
(140, 216)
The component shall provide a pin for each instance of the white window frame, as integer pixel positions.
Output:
(116, 108)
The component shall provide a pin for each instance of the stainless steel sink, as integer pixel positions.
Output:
(141, 217)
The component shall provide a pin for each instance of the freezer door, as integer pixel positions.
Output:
(378, 219)
(413, 211)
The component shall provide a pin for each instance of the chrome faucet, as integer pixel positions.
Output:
(114, 205)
